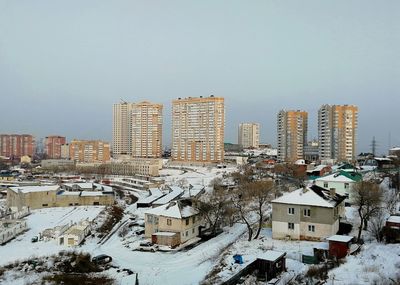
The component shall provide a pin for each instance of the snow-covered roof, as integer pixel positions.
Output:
(167, 234)
(173, 210)
(305, 196)
(322, 245)
(394, 219)
(30, 189)
(155, 194)
(340, 238)
(91, 193)
(338, 177)
(272, 255)
(395, 149)
(175, 193)
(319, 167)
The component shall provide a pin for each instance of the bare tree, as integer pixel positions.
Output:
(213, 206)
(376, 224)
(241, 203)
(260, 193)
(367, 197)
(391, 199)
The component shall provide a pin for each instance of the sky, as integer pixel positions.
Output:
(63, 64)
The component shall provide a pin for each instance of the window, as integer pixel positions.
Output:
(187, 233)
(193, 231)
(291, 211)
(311, 228)
(150, 219)
(307, 212)
(325, 184)
(96, 203)
(291, 226)
(169, 222)
(194, 219)
(45, 205)
(346, 185)
(187, 221)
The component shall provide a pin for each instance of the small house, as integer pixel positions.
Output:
(393, 222)
(178, 218)
(75, 234)
(339, 245)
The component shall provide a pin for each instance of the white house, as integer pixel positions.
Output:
(342, 182)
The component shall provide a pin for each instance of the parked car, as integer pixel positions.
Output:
(139, 231)
(102, 259)
(147, 246)
(35, 239)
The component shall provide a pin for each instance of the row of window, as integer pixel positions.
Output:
(306, 212)
(311, 228)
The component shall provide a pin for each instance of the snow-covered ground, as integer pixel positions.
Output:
(22, 247)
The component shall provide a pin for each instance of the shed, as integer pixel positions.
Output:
(393, 222)
(267, 266)
(339, 245)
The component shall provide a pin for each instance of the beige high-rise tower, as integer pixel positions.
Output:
(122, 129)
(198, 129)
(292, 135)
(337, 130)
(249, 135)
(146, 130)
(137, 129)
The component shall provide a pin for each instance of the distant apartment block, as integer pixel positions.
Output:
(52, 146)
(249, 135)
(337, 129)
(198, 129)
(292, 129)
(16, 145)
(137, 129)
(89, 151)
(65, 151)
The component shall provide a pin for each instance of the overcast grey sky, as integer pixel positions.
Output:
(64, 63)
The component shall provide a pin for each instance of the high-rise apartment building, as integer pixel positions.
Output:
(337, 129)
(137, 129)
(122, 128)
(52, 146)
(89, 151)
(249, 135)
(292, 129)
(16, 145)
(198, 129)
(146, 130)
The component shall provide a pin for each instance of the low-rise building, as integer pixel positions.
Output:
(9, 229)
(75, 234)
(178, 218)
(37, 197)
(309, 213)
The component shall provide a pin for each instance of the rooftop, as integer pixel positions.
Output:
(340, 238)
(311, 196)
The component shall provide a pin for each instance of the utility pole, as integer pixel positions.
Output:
(373, 146)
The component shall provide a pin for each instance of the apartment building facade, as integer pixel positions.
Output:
(292, 127)
(89, 151)
(337, 132)
(137, 129)
(198, 129)
(52, 146)
(17, 145)
(249, 135)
